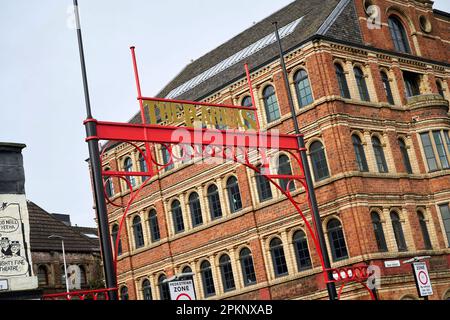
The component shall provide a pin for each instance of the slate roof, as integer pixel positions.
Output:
(65, 218)
(342, 25)
(43, 224)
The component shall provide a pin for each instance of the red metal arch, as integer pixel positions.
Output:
(233, 145)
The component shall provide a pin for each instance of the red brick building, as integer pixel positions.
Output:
(370, 80)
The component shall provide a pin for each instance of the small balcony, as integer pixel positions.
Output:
(426, 100)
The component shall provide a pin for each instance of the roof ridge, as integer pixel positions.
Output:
(331, 19)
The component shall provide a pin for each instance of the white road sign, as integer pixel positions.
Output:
(182, 290)
(392, 264)
(422, 279)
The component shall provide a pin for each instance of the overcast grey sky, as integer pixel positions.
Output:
(42, 103)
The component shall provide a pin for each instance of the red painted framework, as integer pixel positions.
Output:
(231, 144)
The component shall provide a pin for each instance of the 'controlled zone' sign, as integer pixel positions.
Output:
(182, 290)
(422, 279)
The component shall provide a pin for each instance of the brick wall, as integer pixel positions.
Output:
(347, 194)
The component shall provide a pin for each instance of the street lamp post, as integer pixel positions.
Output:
(64, 258)
(331, 287)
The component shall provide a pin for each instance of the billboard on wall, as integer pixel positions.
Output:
(15, 257)
(16, 272)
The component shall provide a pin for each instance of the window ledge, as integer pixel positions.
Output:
(295, 275)
(210, 224)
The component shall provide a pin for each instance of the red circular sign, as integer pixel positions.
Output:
(423, 278)
(183, 296)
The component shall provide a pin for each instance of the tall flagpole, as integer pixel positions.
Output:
(96, 167)
(314, 207)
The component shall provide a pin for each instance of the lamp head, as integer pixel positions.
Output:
(54, 236)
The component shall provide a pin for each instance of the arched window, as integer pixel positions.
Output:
(439, 88)
(147, 290)
(167, 159)
(398, 232)
(284, 168)
(114, 235)
(207, 279)
(337, 240)
(361, 83)
(409, 297)
(398, 35)
(424, 229)
(360, 154)
(83, 276)
(154, 226)
(319, 161)
(303, 88)
(42, 276)
(405, 156)
(142, 166)
(187, 152)
(227, 273)
(248, 270)
(379, 155)
(412, 83)
(234, 195)
(446, 295)
(278, 258)
(247, 102)
(128, 167)
(263, 186)
(215, 208)
(109, 186)
(196, 210)
(301, 250)
(177, 216)
(164, 293)
(271, 104)
(124, 293)
(63, 274)
(378, 230)
(387, 87)
(138, 233)
(342, 81)
(445, 215)
(187, 269)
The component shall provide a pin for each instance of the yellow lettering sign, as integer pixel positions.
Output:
(190, 113)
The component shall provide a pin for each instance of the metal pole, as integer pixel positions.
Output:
(65, 265)
(315, 209)
(94, 156)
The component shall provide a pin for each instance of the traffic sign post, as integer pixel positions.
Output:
(422, 278)
(182, 290)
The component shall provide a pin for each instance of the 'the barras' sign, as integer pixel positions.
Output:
(189, 113)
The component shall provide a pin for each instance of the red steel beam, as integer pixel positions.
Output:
(165, 135)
